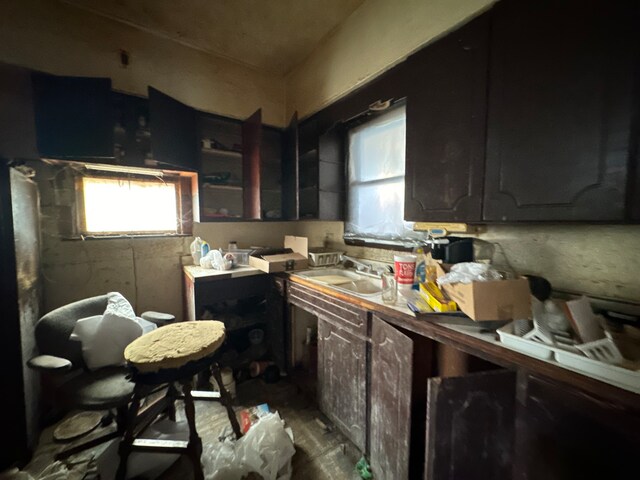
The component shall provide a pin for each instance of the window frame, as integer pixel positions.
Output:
(400, 244)
(184, 190)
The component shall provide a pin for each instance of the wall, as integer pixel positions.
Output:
(57, 38)
(598, 260)
(378, 35)
(147, 271)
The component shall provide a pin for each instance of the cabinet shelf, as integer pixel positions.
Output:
(221, 153)
(222, 187)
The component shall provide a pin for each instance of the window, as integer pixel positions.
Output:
(376, 179)
(131, 204)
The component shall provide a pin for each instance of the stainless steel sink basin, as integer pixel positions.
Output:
(344, 280)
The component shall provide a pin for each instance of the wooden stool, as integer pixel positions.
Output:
(171, 355)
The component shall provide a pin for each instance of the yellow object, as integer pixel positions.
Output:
(436, 299)
(449, 227)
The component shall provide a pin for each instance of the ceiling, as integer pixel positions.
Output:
(270, 35)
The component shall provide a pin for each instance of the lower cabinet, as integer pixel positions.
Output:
(391, 386)
(342, 380)
(562, 433)
(470, 426)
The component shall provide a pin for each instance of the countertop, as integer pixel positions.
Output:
(473, 339)
(199, 274)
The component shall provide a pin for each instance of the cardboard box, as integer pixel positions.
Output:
(292, 257)
(493, 300)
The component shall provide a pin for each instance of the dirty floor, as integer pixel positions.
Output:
(320, 453)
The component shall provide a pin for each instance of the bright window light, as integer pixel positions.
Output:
(376, 179)
(123, 205)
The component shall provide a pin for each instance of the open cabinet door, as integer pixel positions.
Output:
(74, 117)
(291, 172)
(470, 426)
(17, 121)
(174, 131)
(391, 380)
(331, 175)
(251, 136)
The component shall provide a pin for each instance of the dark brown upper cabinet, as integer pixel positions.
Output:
(560, 107)
(131, 133)
(446, 121)
(74, 117)
(174, 132)
(17, 122)
(290, 171)
(331, 175)
(251, 135)
(314, 173)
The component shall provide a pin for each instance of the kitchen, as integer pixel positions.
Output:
(589, 246)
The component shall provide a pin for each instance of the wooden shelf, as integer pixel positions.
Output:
(222, 187)
(221, 153)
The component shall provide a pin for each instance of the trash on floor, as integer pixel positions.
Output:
(250, 416)
(266, 449)
(363, 469)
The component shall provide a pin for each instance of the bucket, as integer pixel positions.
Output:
(227, 380)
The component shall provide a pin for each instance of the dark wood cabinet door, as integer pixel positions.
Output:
(290, 171)
(277, 320)
(470, 426)
(565, 434)
(342, 380)
(74, 117)
(174, 131)
(331, 176)
(560, 102)
(17, 122)
(390, 422)
(251, 133)
(446, 126)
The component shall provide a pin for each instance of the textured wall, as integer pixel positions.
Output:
(60, 39)
(147, 271)
(378, 35)
(597, 260)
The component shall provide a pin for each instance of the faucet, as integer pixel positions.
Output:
(362, 267)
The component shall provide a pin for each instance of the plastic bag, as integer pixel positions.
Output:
(266, 449)
(468, 272)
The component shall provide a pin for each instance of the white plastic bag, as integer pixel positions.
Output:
(469, 272)
(266, 449)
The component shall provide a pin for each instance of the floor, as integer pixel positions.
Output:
(321, 451)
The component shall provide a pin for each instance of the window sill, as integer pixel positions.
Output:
(383, 245)
(132, 236)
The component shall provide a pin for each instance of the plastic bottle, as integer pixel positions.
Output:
(204, 248)
(196, 250)
(421, 267)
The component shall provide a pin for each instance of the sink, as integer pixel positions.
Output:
(344, 280)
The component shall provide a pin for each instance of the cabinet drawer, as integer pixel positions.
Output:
(342, 313)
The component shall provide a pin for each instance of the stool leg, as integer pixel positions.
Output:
(225, 399)
(127, 439)
(172, 394)
(195, 444)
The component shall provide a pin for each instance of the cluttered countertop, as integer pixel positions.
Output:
(508, 320)
(483, 340)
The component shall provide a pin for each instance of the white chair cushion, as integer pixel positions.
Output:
(104, 337)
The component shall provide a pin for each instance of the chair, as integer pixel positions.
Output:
(104, 389)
